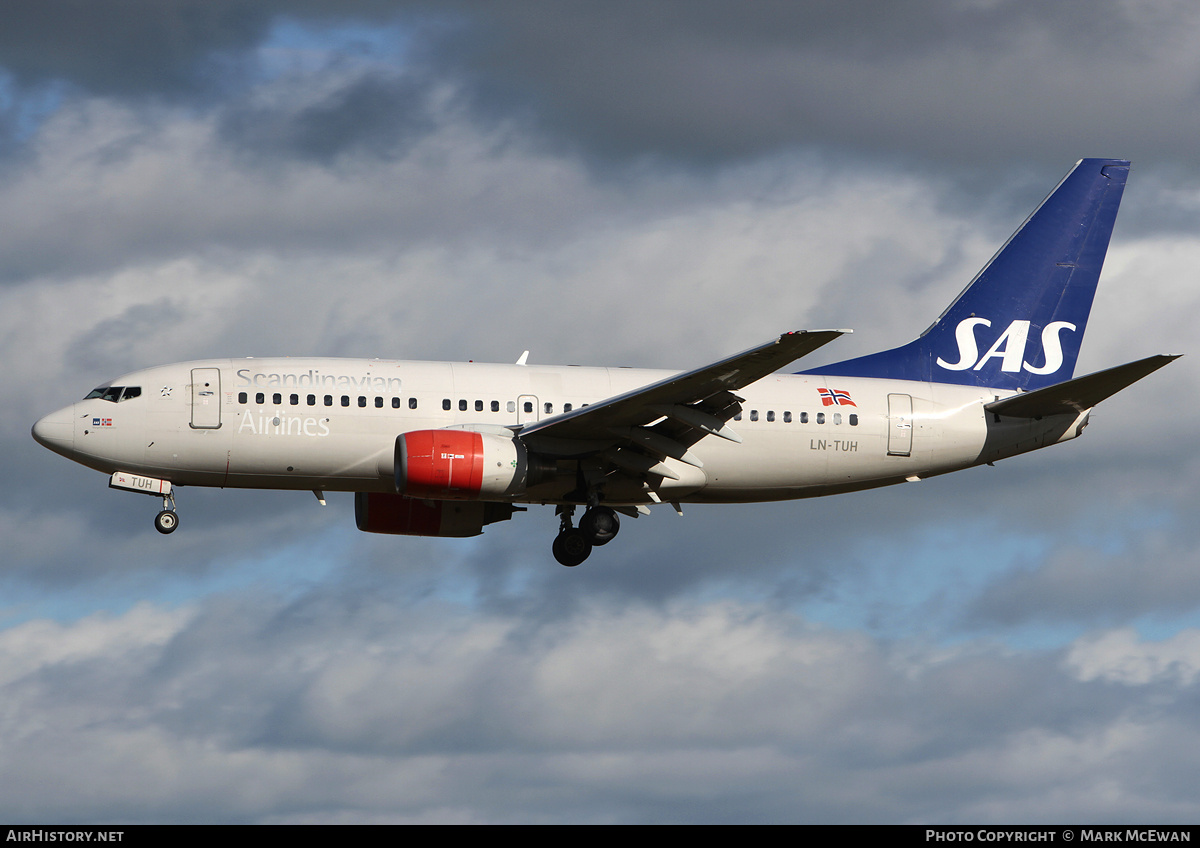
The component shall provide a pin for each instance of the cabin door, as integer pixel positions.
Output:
(900, 425)
(206, 398)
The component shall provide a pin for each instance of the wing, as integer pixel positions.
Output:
(634, 432)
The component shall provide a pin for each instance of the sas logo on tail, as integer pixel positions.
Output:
(1009, 348)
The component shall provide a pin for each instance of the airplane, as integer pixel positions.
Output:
(446, 448)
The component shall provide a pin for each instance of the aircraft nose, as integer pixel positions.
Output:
(57, 430)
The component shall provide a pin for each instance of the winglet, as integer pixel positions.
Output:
(523, 358)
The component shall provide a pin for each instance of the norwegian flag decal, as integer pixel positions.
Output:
(835, 397)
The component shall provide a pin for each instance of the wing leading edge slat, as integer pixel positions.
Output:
(689, 405)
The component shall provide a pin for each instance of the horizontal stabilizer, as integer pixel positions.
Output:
(1082, 393)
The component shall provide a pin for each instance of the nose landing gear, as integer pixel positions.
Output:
(573, 545)
(167, 520)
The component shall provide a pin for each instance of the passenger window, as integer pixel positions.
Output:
(495, 406)
(395, 403)
(412, 403)
(329, 400)
(754, 415)
(528, 406)
(567, 407)
(294, 399)
(787, 418)
(362, 402)
(820, 417)
(853, 420)
(260, 398)
(511, 406)
(770, 415)
(737, 417)
(345, 400)
(479, 406)
(378, 402)
(837, 418)
(446, 403)
(549, 407)
(312, 400)
(462, 406)
(243, 397)
(803, 417)
(277, 398)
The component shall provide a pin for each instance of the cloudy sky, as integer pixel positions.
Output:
(655, 184)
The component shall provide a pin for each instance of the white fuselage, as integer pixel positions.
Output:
(331, 424)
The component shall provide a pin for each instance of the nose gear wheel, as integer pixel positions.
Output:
(166, 521)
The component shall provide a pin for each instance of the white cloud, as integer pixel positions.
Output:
(1120, 656)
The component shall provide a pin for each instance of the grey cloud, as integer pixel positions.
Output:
(158, 49)
(109, 344)
(944, 80)
(370, 115)
(130, 47)
(353, 704)
(951, 80)
(1093, 587)
(110, 186)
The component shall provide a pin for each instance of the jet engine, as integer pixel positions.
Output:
(380, 512)
(456, 464)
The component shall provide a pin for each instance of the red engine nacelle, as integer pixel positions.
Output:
(379, 512)
(464, 465)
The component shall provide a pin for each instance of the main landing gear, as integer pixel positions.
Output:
(599, 526)
(167, 520)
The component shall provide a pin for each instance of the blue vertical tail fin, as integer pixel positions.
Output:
(1019, 323)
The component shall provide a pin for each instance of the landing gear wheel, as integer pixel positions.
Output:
(166, 521)
(571, 547)
(601, 525)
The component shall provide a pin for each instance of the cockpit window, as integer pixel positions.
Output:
(110, 393)
(114, 394)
